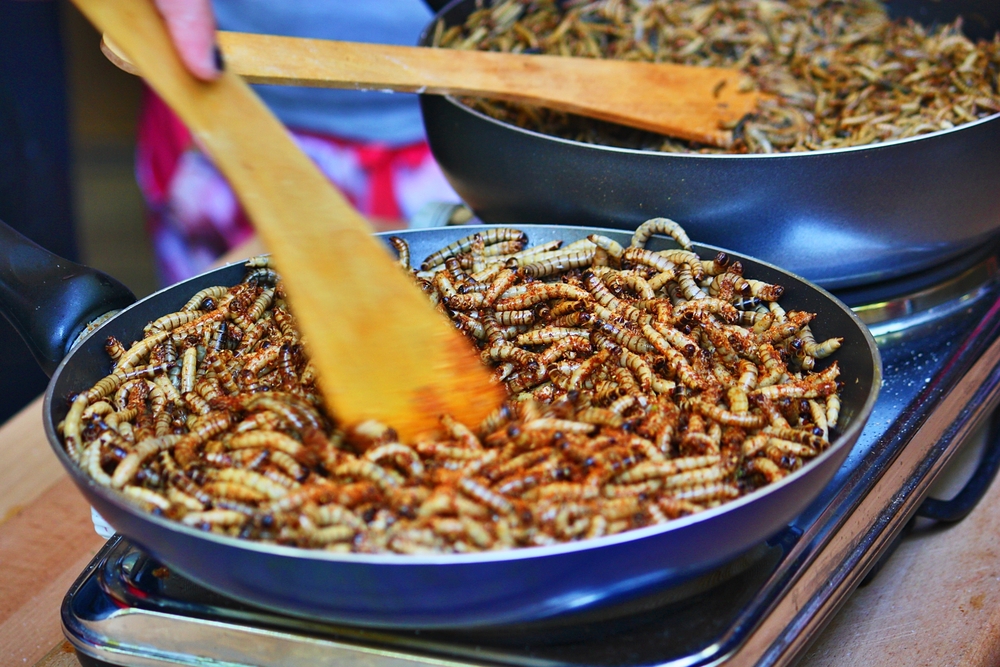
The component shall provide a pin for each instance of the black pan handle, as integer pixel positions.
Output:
(956, 509)
(436, 5)
(959, 507)
(50, 300)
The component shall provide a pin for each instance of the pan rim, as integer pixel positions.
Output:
(848, 436)
(718, 156)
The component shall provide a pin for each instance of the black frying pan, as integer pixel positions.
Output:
(837, 217)
(395, 591)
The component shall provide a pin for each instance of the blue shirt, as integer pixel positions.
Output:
(370, 116)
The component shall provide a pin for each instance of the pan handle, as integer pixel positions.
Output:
(436, 5)
(956, 509)
(50, 300)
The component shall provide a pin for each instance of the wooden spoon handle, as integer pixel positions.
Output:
(678, 100)
(380, 349)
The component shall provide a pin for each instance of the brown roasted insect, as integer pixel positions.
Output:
(639, 393)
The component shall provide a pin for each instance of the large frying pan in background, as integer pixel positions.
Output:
(839, 218)
(395, 591)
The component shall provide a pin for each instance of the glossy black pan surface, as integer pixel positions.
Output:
(475, 590)
(838, 217)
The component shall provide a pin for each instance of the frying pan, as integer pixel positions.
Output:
(456, 591)
(837, 217)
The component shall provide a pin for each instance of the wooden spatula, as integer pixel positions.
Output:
(380, 349)
(677, 100)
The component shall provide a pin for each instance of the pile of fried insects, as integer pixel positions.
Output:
(643, 386)
(842, 72)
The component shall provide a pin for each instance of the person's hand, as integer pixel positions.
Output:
(191, 24)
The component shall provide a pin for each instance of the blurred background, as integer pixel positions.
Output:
(67, 141)
(103, 105)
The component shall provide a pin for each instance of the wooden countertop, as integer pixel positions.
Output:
(936, 602)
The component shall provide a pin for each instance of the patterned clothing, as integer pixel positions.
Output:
(370, 145)
(194, 216)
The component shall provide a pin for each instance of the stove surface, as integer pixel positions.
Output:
(126, 593)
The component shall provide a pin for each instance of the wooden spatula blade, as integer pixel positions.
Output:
(380, 349)
(393, 358)
(683, 101)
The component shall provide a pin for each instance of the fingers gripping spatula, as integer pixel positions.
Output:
(380, 349)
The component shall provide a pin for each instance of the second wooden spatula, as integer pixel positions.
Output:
(380, 349)
(681, 101)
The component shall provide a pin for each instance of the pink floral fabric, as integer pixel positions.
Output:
(194, 217)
